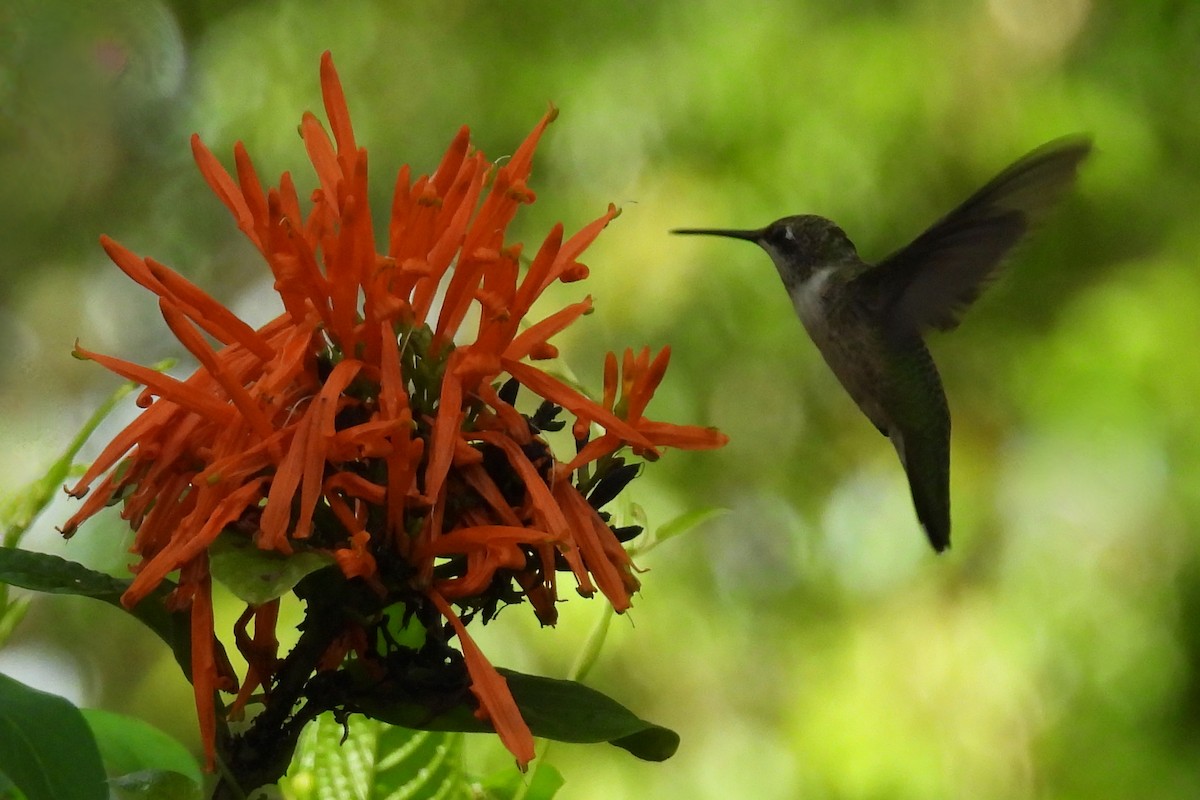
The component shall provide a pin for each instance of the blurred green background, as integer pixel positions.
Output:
(806, 643)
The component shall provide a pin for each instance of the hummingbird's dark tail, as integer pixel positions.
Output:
(926, 462)
(919, 429)
(934, 515)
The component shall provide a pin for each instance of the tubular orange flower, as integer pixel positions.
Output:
(363, 424)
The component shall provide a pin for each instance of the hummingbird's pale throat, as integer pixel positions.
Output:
(867, 320)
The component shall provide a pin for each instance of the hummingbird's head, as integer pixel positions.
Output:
(798, 245)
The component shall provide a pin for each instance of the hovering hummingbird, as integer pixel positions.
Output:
(867, 320)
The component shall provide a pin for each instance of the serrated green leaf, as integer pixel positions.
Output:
(369, 759)
(130, 746)
(155, 785)
(258, 576)
(46, 748)
(420, 764)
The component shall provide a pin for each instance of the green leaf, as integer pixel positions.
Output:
(259, 576)
(368, 759)
(19, 512)
(46, 748)
(129, 745)
(571, 712)
(43, 572)
(687, 521)
(510, 783)
(589, 654)
(562, 710)
(8, 791)
(155, 785)
(11, 613)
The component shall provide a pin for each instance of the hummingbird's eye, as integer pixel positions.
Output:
(789, 235)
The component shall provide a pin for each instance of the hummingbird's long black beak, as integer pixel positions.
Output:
(730, 233)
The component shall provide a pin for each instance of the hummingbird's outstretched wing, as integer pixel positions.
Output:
(930, 282)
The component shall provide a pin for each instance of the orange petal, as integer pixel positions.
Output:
(323, 158)
(356, 561)
(475, 476)
(508, 418)
(446, 427)
(522, 160)
(647, 382)
(286, 480)
(557, 392)
(163, 385)
(355, 486)
(595, 449)
(537, 277)
(321, 418)
(544, 504)
(190, 541)
(488, 548)
(131, 264)
(685, 437)
(496, 703)
(538, 333)
(252, 190)
(612, 572)
(224, 187)
(190, 338)
(335, 105)
(610, 380)
(204, 663)
(216, 319)
(447, 171)
(574, 247)
(139, 432)
(99, 499)
(484, 537)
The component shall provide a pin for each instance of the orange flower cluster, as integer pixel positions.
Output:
(359, 423)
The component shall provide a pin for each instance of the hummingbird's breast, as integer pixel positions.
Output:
(849, 340)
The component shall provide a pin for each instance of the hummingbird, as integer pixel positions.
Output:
(868, 320)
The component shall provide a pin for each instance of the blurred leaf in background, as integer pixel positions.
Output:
(803, 644)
